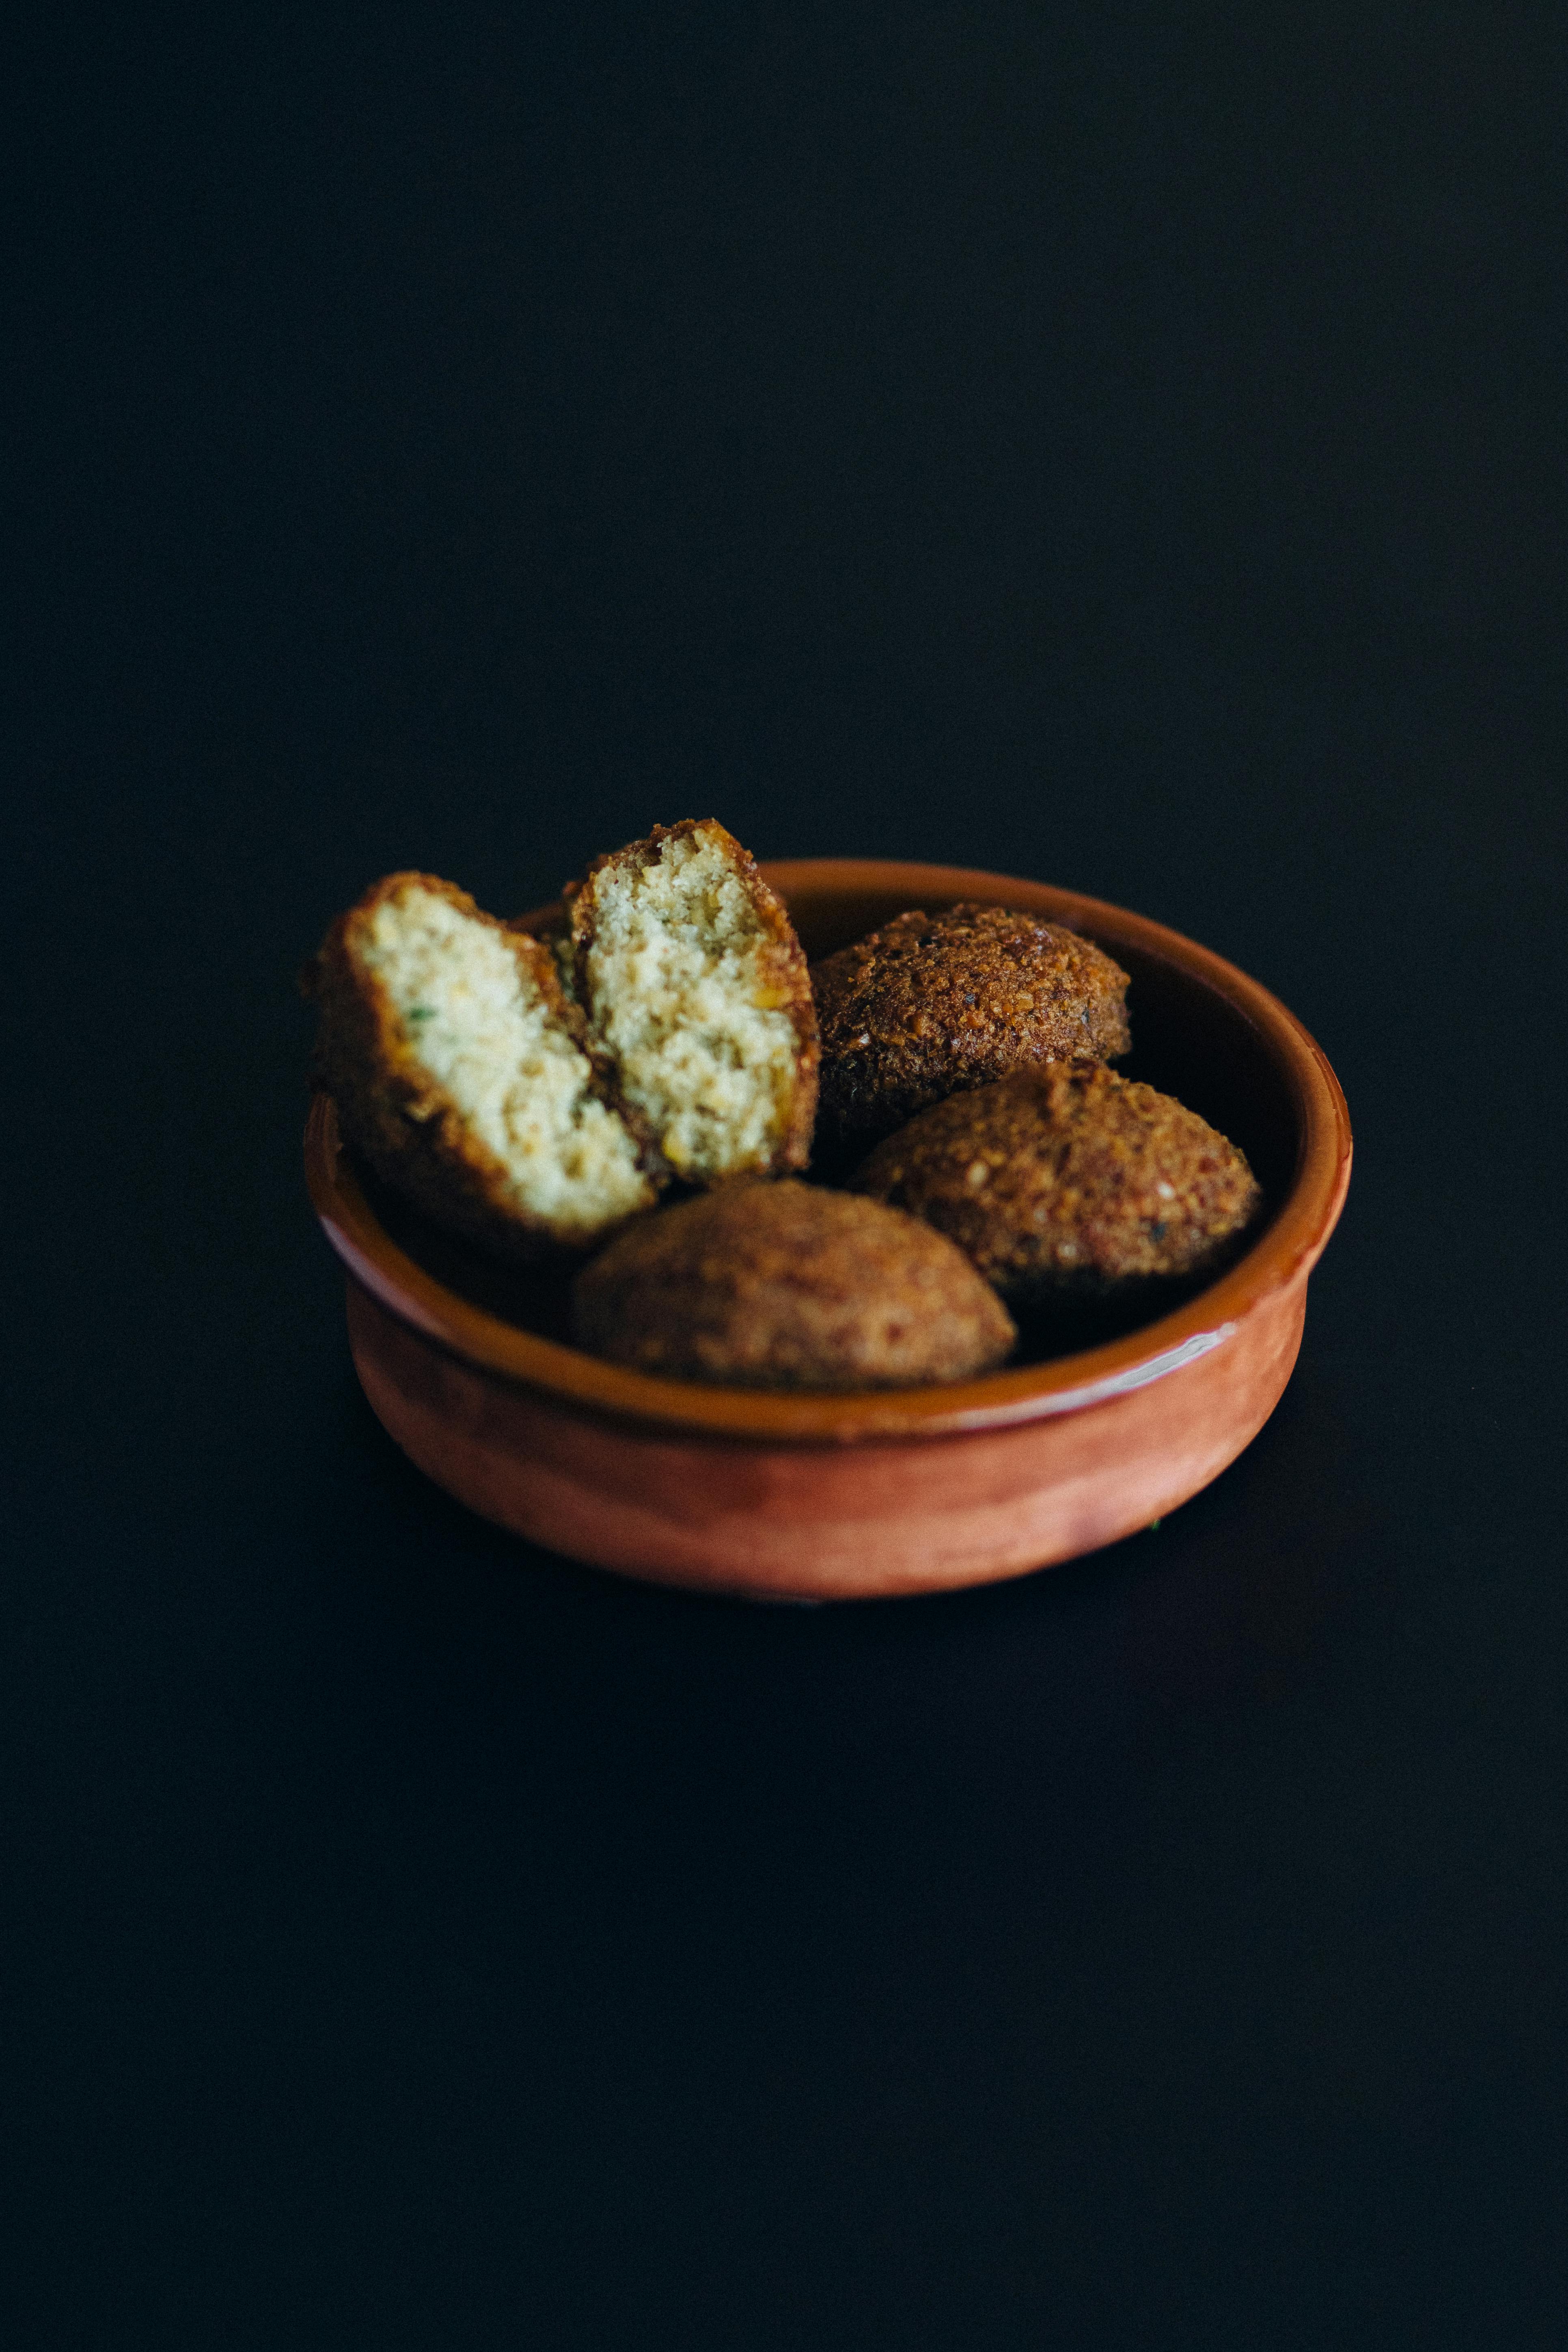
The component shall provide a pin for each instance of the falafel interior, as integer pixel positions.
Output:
(695, 986)
(443, 1030)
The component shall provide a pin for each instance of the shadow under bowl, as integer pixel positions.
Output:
(816, 1497)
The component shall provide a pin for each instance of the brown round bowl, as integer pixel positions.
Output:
(820, 1496)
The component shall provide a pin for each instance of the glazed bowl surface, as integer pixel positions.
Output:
(814, 1496)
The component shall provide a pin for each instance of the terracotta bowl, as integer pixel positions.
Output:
(838, 1497)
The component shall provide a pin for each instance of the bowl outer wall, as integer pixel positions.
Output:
(812, 1496)
(822, 1523)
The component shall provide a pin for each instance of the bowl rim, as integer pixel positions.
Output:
(1283, 1255)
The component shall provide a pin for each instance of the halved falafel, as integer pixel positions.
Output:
(466, 1078)
(931, 1003)
(695, 986)
(787, 1286)
(1068, 1182)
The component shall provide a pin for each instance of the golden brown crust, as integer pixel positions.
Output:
(932, 1004)
(1069, 1181)
(391, 1108)
(788, 1285)
(786, 978)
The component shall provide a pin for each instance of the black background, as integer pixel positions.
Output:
(1115, 444)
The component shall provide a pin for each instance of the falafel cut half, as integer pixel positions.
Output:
(466, 1078)
(930, 1004)
(696, 987)
(787, 1286)
(1069, 1182)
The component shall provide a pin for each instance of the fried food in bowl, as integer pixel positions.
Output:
(930, 1004)
(467, 1079)
(787, 1286)
(1069, 1182)
(695, 987)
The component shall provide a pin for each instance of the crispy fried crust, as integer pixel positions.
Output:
(785, 978)
(1069, 1181)
(931, 1004)
(398, 1116)
(788, 1285)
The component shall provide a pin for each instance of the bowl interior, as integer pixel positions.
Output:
(1202, 1032)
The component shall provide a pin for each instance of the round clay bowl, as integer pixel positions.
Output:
(842, 1497)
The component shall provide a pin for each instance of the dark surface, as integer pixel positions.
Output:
(1120, 445)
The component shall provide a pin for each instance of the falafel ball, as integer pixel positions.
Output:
(932, 1004)
(1068, 1182)
(787, 1286)
(696, 987)
(466, 1078)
